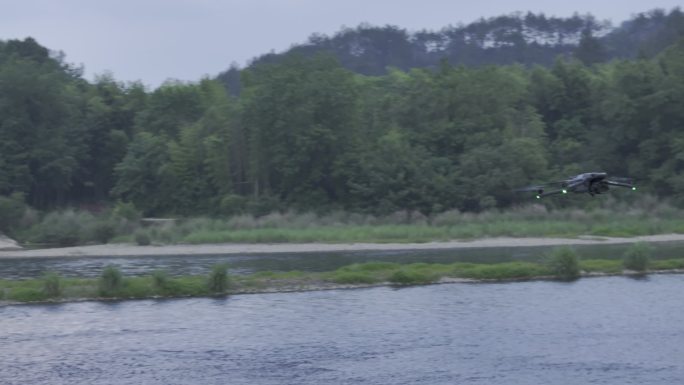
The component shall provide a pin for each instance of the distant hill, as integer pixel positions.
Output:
(527, 39)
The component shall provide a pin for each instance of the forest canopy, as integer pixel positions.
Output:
(309, 131)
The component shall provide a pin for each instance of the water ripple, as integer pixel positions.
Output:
(593, 331)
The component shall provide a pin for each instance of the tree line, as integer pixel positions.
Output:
(306, 133)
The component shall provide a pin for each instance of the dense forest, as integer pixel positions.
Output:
(370, 120)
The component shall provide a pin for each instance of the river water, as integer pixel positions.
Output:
(612, 330)
(19, 268)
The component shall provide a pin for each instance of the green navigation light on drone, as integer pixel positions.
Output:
(633, 188)
(538, 197)
(564, 191)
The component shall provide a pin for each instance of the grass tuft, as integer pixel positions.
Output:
(218, 278)
(51, 285)
(111, 281)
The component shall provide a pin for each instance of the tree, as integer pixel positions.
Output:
(298, 116)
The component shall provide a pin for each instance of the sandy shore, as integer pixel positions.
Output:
(233, 248)
(8, 244)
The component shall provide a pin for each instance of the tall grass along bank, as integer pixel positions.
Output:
(610, 218)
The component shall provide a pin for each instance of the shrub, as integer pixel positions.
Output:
(111, 280)
(160, 279)
(51, 285)
(64, 228)
(637, 257)
(263, 205)
(126, 210)
(142, 238)
(103, 232)
(218, 278)
(12, 209)
(564, 264)
(232, 204)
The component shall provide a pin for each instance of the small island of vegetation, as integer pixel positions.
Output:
(561, 264)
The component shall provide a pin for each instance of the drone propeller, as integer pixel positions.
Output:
(530, 188)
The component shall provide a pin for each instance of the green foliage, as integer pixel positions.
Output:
(411, 277)
(71, 227)
(668, 264)
(369, 267)
(307, 133)
(142, 238)
(353, 277)
(111, 281)
(637, 257)
(63, 228)
(218, 278)
(27, 295)
(52, 285)
(601, 265)
(160, 279)
(104, 231)
(233, 204)
(501, 271)
(112, 284)
(126, 210)
(564, 263)
(12, 209)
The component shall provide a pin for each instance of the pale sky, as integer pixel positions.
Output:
(155, 40)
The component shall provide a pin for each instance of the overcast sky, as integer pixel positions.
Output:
(154, 40)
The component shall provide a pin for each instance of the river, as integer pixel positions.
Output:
(174, 265)
(611, 330)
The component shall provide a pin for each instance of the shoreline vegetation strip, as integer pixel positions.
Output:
(113, 286)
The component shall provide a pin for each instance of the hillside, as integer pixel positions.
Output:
(526, 39)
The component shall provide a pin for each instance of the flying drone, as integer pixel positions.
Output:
(591, 183)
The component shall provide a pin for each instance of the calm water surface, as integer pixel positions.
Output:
(18, 268)
(594, 331)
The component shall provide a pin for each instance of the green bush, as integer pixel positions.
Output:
(232, 204)
(160, 279)
(104, 231)
(126, 210)
(52, 285)
(564, 263)
(111, 281)
(12, 209)
(218, 278)
(637, 257)
(142, 238)
(63, 228)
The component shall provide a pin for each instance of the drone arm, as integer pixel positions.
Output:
(620, 184)
(554, 192)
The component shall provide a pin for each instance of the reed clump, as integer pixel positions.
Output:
(564, 263)
(637, 257)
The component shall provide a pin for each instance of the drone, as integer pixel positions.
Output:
(591, 182)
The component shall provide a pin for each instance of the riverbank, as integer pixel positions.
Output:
(112, 286)
(8, 244)
(254, 248)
